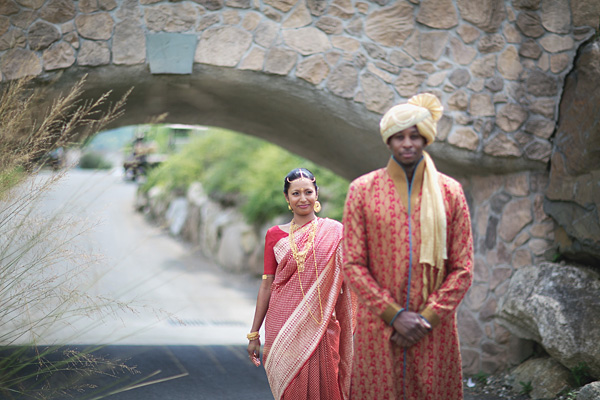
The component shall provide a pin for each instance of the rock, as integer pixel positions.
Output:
(516, 216)
(590, 391)
(330, 25)
(317, 7)
(555, 43)
(93, 53)
(8, 7)
(313, 69)
(282, 5)
(24, 18)
(460, 77)
(211, 5)
(468, 33)
(95, 26)
(501, 146)
(254, 60)
(4, 24)
(491, 43)
(176, 215)
(343, 81)
(349, 45)
(459, 101)
(509, 64)
(235, 238)
(129, 43)
(170, 18)
(41, 35)
(542, 128)
(88, 6)
(433, 45)
(223, 46)
(484, 67)
(547, 377)
(530, 49)
(18, 63)
(487, 15)
(511, 117)
(266, 33)
(540, 84)
(409, 82)
(539, 150)
(465, 138)
(559, 62)
(481, 105)
(307, 41)
(238, 3)
(61, 55)
(585, 13)
(33, 4)
(437, 14)
(390, 26)
(400, 59)
(557, 306)
(250, 21)
(556, 16)
(58, 11)
(280, 61)
(378, 96)
(530, 24)
(462, 53)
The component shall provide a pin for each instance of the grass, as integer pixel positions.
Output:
(43, 273)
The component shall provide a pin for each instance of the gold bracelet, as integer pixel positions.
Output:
(265, 277)
(253, 335)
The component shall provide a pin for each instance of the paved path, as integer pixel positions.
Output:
(191, 318)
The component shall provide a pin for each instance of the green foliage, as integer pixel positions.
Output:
(93, 160)
(481, 377)
(581, 374)
(526, 387)
(245, 171)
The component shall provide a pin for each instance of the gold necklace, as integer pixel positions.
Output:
(300, 257)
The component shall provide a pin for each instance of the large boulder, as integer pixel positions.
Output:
(558, 307)
(573, 194)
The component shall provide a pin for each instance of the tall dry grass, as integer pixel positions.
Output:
(42, 271)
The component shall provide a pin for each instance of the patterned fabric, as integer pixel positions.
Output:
(378, 236)
(422, 111)
(306, 357)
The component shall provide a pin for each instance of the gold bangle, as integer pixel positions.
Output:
(253, 335)
(265, 276)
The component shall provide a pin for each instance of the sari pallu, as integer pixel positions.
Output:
(302, 356)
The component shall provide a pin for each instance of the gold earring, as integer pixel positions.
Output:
(317, 206)
(289, 207)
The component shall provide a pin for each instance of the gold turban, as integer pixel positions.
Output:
(423, 110)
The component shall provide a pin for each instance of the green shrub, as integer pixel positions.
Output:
(246, 171)
(93, 160)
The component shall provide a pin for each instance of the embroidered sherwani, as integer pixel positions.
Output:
(382, 238)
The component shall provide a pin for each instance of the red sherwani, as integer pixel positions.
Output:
(381, 243)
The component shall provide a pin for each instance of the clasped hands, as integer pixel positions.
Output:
(409, 328)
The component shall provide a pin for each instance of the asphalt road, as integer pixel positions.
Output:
(185, 322)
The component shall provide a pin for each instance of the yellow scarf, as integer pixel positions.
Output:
(433, 249)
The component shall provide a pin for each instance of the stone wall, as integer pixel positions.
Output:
(262, 66)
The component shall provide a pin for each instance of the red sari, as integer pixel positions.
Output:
(307, 357)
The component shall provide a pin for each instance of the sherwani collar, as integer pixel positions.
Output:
(401, 183)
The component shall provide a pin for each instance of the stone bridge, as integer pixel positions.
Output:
(314, 76)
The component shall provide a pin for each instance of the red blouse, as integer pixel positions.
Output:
(274, 235)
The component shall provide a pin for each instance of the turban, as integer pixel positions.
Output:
(423, 110)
